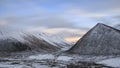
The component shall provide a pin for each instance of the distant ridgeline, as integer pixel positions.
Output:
(100, 40)
(29, 43)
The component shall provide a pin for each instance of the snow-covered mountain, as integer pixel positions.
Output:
(33, 40)
(57, 40)
(19, 41)
(100, 40)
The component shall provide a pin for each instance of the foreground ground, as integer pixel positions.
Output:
(51, 61)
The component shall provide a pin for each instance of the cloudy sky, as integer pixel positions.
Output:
(58, 16)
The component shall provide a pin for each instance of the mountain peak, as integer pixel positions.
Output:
(104, 26)
(101, 24)
(100, 40)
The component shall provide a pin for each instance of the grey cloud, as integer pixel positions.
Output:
(99, 5)
(55, 22)
(107, 5)
(117, 18)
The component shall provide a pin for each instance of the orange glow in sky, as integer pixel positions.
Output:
(72, 39)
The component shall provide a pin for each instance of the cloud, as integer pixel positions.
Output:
(38, 22)
(3, 22)
(86, 13)
(54, 22)
(116, 19)
(67, 32)
(69, 18)
(20, 8)
(101, 5)
(41, 14)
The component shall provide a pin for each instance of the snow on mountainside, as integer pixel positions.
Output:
(56, 40)
(34, 40)
(12, 41)
(100, 40)
(52, 39)
(6, 35)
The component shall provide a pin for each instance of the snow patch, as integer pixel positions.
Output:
(64, 58)
(40, 57)
(13, 66)
(114, 62)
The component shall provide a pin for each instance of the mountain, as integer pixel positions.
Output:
(18, 41)
(55, 39)
(39, 44)
(100, 40)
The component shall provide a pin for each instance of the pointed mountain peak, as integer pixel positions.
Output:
(101, 24)
(100, 40)
(104, 26)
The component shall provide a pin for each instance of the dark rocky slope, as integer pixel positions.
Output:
(12, 45)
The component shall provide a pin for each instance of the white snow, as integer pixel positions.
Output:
(50, 56)
(13, 66)
(40, 66)
(40, 57)
(55, 40)
(64, 58)
(114, 62)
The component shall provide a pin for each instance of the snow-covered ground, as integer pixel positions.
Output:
(54, 61)
(50, 56)
(105, 60)
(114, 62)
(40, 56)
(64, 58)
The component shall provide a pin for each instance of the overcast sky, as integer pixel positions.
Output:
(47, 15)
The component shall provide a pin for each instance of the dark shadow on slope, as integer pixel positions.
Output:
(12, 45)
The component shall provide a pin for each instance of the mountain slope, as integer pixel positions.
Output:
(100, 40)
(12, 45)
(38, 44)
(56, 40)
(17, 41)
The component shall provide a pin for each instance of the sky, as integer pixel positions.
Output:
(58, 16)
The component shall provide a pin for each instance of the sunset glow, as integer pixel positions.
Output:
(72, 39)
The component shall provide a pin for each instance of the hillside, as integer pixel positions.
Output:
(100, 40)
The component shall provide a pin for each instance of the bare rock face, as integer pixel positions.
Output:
(100, 40)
